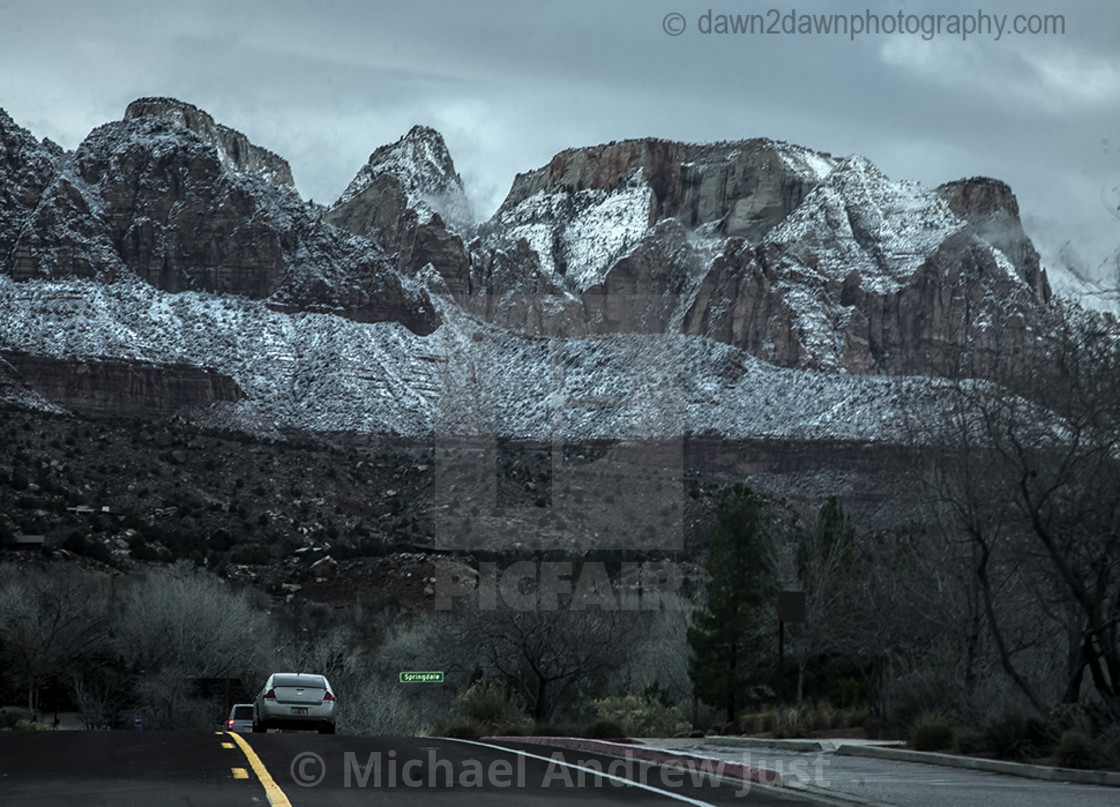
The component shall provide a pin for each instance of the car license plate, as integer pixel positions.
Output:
(299, 710)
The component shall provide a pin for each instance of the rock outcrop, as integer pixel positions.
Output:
(121, 388)
(190, 205)
(992, 210)
(27, 167)
(743, 187)
(235, 152)
(415, 173)
(409, 199)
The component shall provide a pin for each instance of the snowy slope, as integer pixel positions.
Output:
(322, 372)
(578, 236)
(858, 219)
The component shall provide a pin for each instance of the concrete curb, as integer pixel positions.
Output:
(717, 767)
(1044, 772)
(806, 746)
(793, 745)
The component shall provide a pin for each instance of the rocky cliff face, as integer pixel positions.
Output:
(747, 289)
(415, 173)
(187, 204)
(235, 152)
(103, 386)
(27, 167)
(802, 259)
(744, 188)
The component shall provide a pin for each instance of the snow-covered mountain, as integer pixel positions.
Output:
(634, 290)
(169, 196)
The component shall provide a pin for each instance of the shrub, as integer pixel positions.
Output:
(493, 706)
(751, 724)
(605, 730)
(820, 717)
(27, 725)
(1074, 751)
(1012, 734)
(460, 728)
(968, 740)
(1068, 716)
(913, 694)
(791, 722)
(552, 730)
(857, 718)
(932, 731)
(87, 547)
(641, 717)
(769, 720)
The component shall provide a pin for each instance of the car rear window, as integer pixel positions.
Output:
(243, 713)
(298, 681)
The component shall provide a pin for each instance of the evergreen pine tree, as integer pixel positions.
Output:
(727, 634)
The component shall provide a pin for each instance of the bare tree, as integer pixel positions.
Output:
(548, 654)
(50, 622)
(1032, 481)
(186, 619)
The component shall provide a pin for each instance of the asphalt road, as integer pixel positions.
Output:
(303, 769)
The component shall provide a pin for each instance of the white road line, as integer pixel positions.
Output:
(611, 776)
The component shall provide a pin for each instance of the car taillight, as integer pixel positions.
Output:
(270, 695)
(328, 697)
(229, 723)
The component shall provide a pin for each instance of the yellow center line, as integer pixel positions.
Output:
(275, 795)
(240, 773)
(227, 745)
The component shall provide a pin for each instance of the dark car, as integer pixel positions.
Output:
(240, 718)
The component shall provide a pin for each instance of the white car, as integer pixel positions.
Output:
(295, 701)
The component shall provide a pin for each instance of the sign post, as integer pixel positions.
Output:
(422, 677)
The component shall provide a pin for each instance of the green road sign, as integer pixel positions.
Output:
(421, 677)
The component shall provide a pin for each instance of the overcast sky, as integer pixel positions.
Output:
(511, 83)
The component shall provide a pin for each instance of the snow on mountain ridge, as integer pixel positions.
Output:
(236, 153)
(420, 161)
(858, 219)
(578, 236)
(325, 373)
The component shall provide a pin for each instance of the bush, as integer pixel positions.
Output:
(932, 731)
(857, 718)
(752, 724)
(968, 740)
(911, 695)
(493, 706)
(1074, 751)
(553, 730)
(605, 730)
(1066, 717)
(460, 728)
(1014, 735)
(821, 716)
(79, 544)
(27, 725)
(792, 721)
(641, 717)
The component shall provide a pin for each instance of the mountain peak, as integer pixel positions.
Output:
(234, 149)
(420, 166)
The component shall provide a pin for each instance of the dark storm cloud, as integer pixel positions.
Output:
(510, 83)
